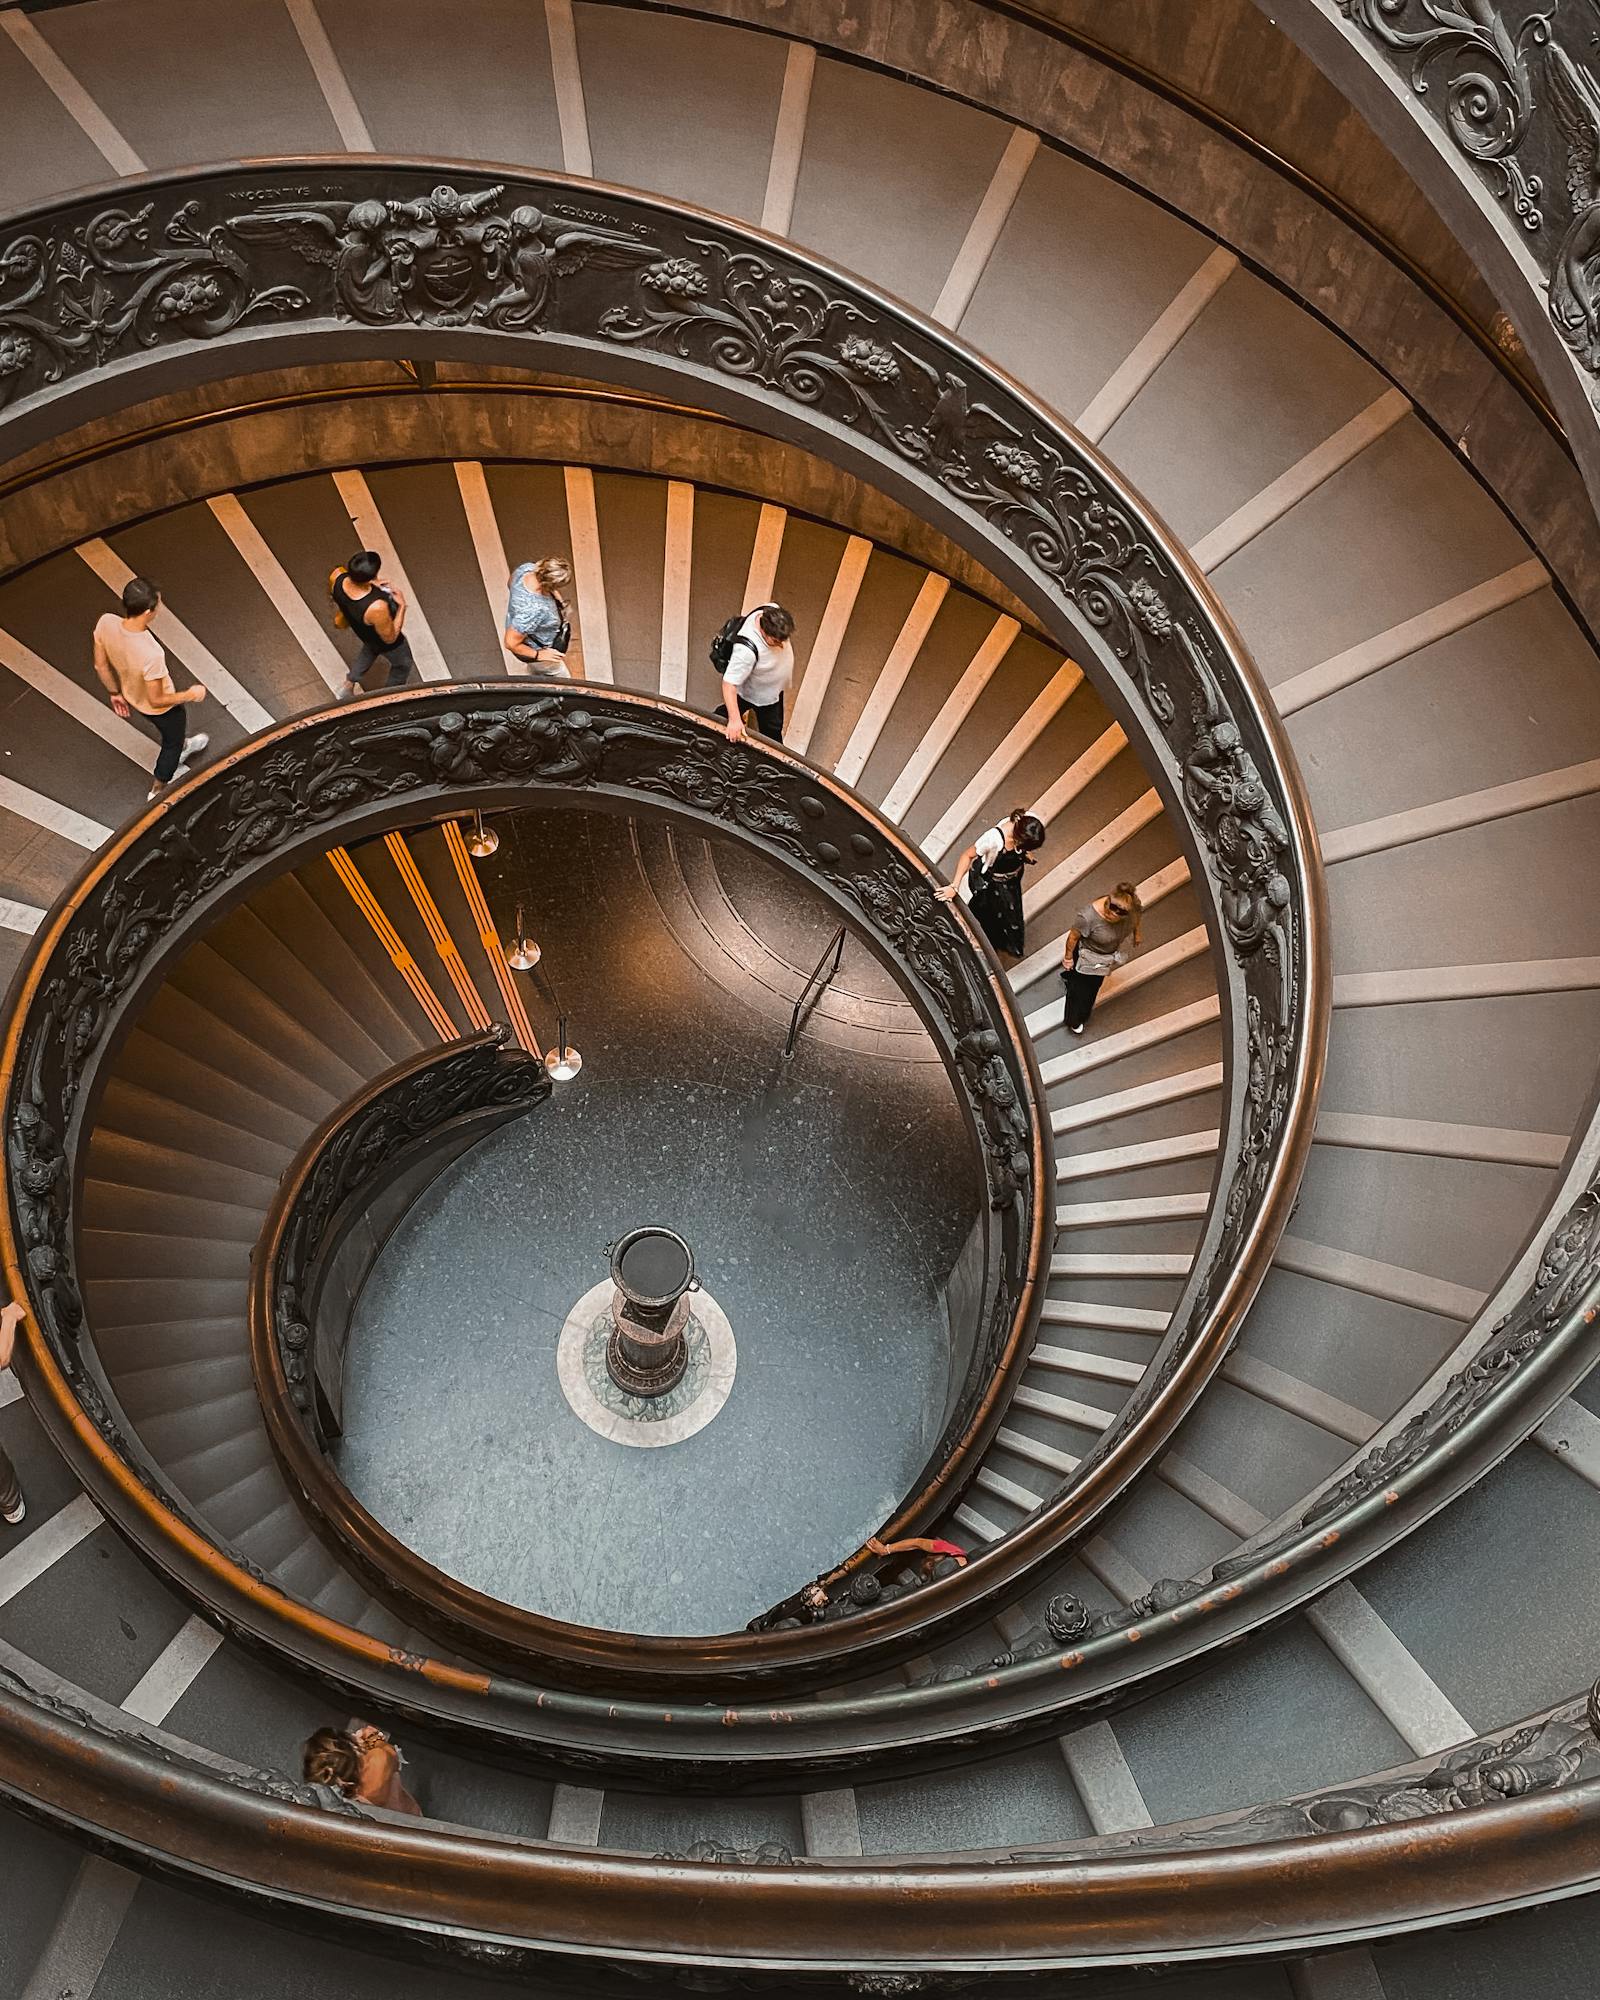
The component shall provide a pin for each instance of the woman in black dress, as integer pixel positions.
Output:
(993, 867)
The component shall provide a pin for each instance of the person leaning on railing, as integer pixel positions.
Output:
(13, 1508)
(359, 1763)
(992, 869)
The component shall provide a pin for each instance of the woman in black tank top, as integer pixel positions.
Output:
(357, 611)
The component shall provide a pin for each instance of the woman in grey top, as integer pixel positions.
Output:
(536, 615)
(1104, 935)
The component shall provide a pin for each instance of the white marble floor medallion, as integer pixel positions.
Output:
(645, 1421)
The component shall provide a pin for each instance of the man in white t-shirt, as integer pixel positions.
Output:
(132, 668)
(758, 673)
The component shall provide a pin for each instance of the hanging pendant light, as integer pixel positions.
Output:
(522, 954)
(483, 840)
(563, 1061)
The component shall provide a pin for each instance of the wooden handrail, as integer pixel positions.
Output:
(493, 1901)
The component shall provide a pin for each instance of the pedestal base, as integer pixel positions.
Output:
(648, 1360)
(609, 1409)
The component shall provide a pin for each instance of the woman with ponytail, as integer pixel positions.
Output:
(993, 867)
(1104, 935)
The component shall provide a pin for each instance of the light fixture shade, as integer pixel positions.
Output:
(563, 1061)
(482, 841)
(522, 954)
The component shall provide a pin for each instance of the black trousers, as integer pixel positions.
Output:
(169, 726)
(768, 715)
(401, 665)
(1083, 989)
(10, 1485)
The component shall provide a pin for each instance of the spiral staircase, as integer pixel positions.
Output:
(1383, 508)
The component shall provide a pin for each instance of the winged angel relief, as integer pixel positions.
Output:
(444, 258)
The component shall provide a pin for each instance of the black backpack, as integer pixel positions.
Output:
(723, 644)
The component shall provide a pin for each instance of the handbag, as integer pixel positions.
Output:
(562, 637)
(978, 875)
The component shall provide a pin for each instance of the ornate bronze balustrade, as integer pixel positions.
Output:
(416, 1117)
(359, 770)
(351, 772)
(206, 272)
(1494, 107)
(1495, 1824)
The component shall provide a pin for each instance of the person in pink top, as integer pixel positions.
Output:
(132, 667)
(12, 1507)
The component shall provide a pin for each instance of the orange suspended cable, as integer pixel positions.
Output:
(505, 979)
(361, 895)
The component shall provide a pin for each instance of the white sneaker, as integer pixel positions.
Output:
(13, 1518)
(193, 745)
(1080, 1028)
(155, 791)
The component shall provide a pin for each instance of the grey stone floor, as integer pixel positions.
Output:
(825, 1200)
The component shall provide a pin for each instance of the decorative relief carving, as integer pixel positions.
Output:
(770, 1854)
(1545, 1755)
(122, 279)
(1514, 86)
(1487, 96)
(1575, 269)
(1007, 1133)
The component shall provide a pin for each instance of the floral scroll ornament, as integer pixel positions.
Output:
(1488, 91)
(733, 784)
(113, 282)
(736, 311)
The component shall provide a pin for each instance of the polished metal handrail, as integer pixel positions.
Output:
(821, 975)
(1496, 1824)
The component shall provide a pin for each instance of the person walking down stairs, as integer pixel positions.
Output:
(538, 629)
(376, 612)
(1104, 935)
(131, 665)
(992, 869)
(755, 657)
(13, 1508)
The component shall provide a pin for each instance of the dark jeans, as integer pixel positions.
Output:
(401, 664)
(10, 1485)
(1082, 990)
(170, 727)
(769, 717)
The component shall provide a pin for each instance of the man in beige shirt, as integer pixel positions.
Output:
(132, 667)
